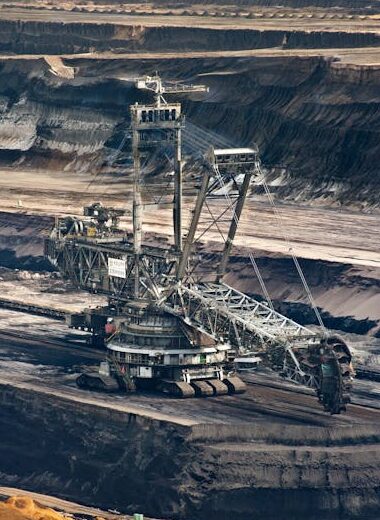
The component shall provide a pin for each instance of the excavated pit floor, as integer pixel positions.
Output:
(85, 446)
(343, 278)
(271, 451)
(50, 356)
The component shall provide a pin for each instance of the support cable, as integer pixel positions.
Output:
(111, 159)
(251, 257)
(289, 244)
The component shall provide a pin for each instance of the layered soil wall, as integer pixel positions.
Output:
(317, 125)
(111, 459)
(24, 37)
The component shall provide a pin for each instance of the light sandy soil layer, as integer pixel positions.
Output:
(26, 505)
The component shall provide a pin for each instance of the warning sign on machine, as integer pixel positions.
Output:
(117, 267)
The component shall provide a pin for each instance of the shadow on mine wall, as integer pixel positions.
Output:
(37, 264)
(304, 315)
(118, 460)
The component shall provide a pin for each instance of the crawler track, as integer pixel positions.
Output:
(264, 397)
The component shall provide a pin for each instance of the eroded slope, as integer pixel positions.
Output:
(316, 125)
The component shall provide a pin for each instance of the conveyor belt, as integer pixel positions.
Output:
(38, 310)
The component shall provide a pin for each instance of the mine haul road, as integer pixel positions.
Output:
(48, 367)
(333, 234)
(343, 56)
(367, 24)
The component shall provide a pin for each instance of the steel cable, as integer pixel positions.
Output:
(289, 244)
(251, 257)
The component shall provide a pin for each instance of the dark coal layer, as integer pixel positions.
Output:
(109, 459)
(24, 37)
(317, 126)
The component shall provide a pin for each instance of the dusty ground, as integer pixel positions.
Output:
(243, 447)
(43, 288)
(336, 235)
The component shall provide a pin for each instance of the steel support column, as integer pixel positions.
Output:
(137, 210)
(177, 206)
(182, 266)
(234, 225)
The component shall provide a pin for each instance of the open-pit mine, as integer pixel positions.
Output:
(190, 260)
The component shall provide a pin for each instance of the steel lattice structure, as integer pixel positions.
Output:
(144, 281)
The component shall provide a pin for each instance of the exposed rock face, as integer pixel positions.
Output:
(120, 460)
(24, 37)
(101, 457)
(307, 116)
(21, 241)
(316, 124)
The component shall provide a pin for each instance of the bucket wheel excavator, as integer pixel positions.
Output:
(172, 323)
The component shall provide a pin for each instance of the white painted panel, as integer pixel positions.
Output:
(146, 372)
(117, 267)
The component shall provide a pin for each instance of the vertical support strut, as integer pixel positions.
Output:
(177, 206)
(182, 266)
(137, 210)
(234, 225)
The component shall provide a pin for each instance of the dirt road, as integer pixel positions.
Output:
(369, 56)
(303, 23)
(50, 368)
(334, 235)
